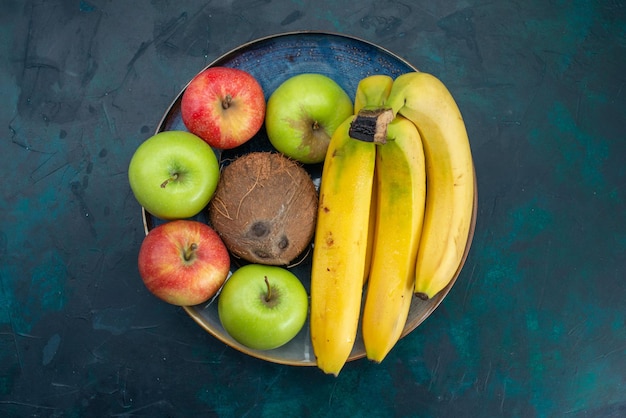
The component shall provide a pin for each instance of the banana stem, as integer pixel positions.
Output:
(370, 125)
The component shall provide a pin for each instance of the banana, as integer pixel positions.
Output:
(425, 101)
(401, 193)
(340, 247)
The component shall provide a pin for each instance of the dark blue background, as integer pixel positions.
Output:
(535, 325)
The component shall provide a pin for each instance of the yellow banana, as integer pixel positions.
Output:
(425, 101)
(340, 248)
(401, 193)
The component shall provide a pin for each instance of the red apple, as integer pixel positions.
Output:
(224, 106)
(183, 262)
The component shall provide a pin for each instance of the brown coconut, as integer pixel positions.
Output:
(265, 208)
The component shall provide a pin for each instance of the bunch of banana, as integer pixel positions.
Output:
(395, 209)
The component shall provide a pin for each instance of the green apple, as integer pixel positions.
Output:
(302, 114)
(263, 307)
(173, 174)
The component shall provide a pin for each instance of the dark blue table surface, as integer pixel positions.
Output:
(535, 325)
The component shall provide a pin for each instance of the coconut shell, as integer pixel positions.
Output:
(265, 208)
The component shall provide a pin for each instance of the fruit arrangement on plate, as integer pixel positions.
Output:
(301, 220)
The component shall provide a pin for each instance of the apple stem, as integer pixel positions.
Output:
(189, 251)
(227, 101)
(268, 297)
(315, 125)
(174, 177)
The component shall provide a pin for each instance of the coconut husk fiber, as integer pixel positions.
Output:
(265, 208)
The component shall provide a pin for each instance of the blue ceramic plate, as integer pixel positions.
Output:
(273, 60)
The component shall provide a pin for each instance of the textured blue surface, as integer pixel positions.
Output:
(535, 325)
